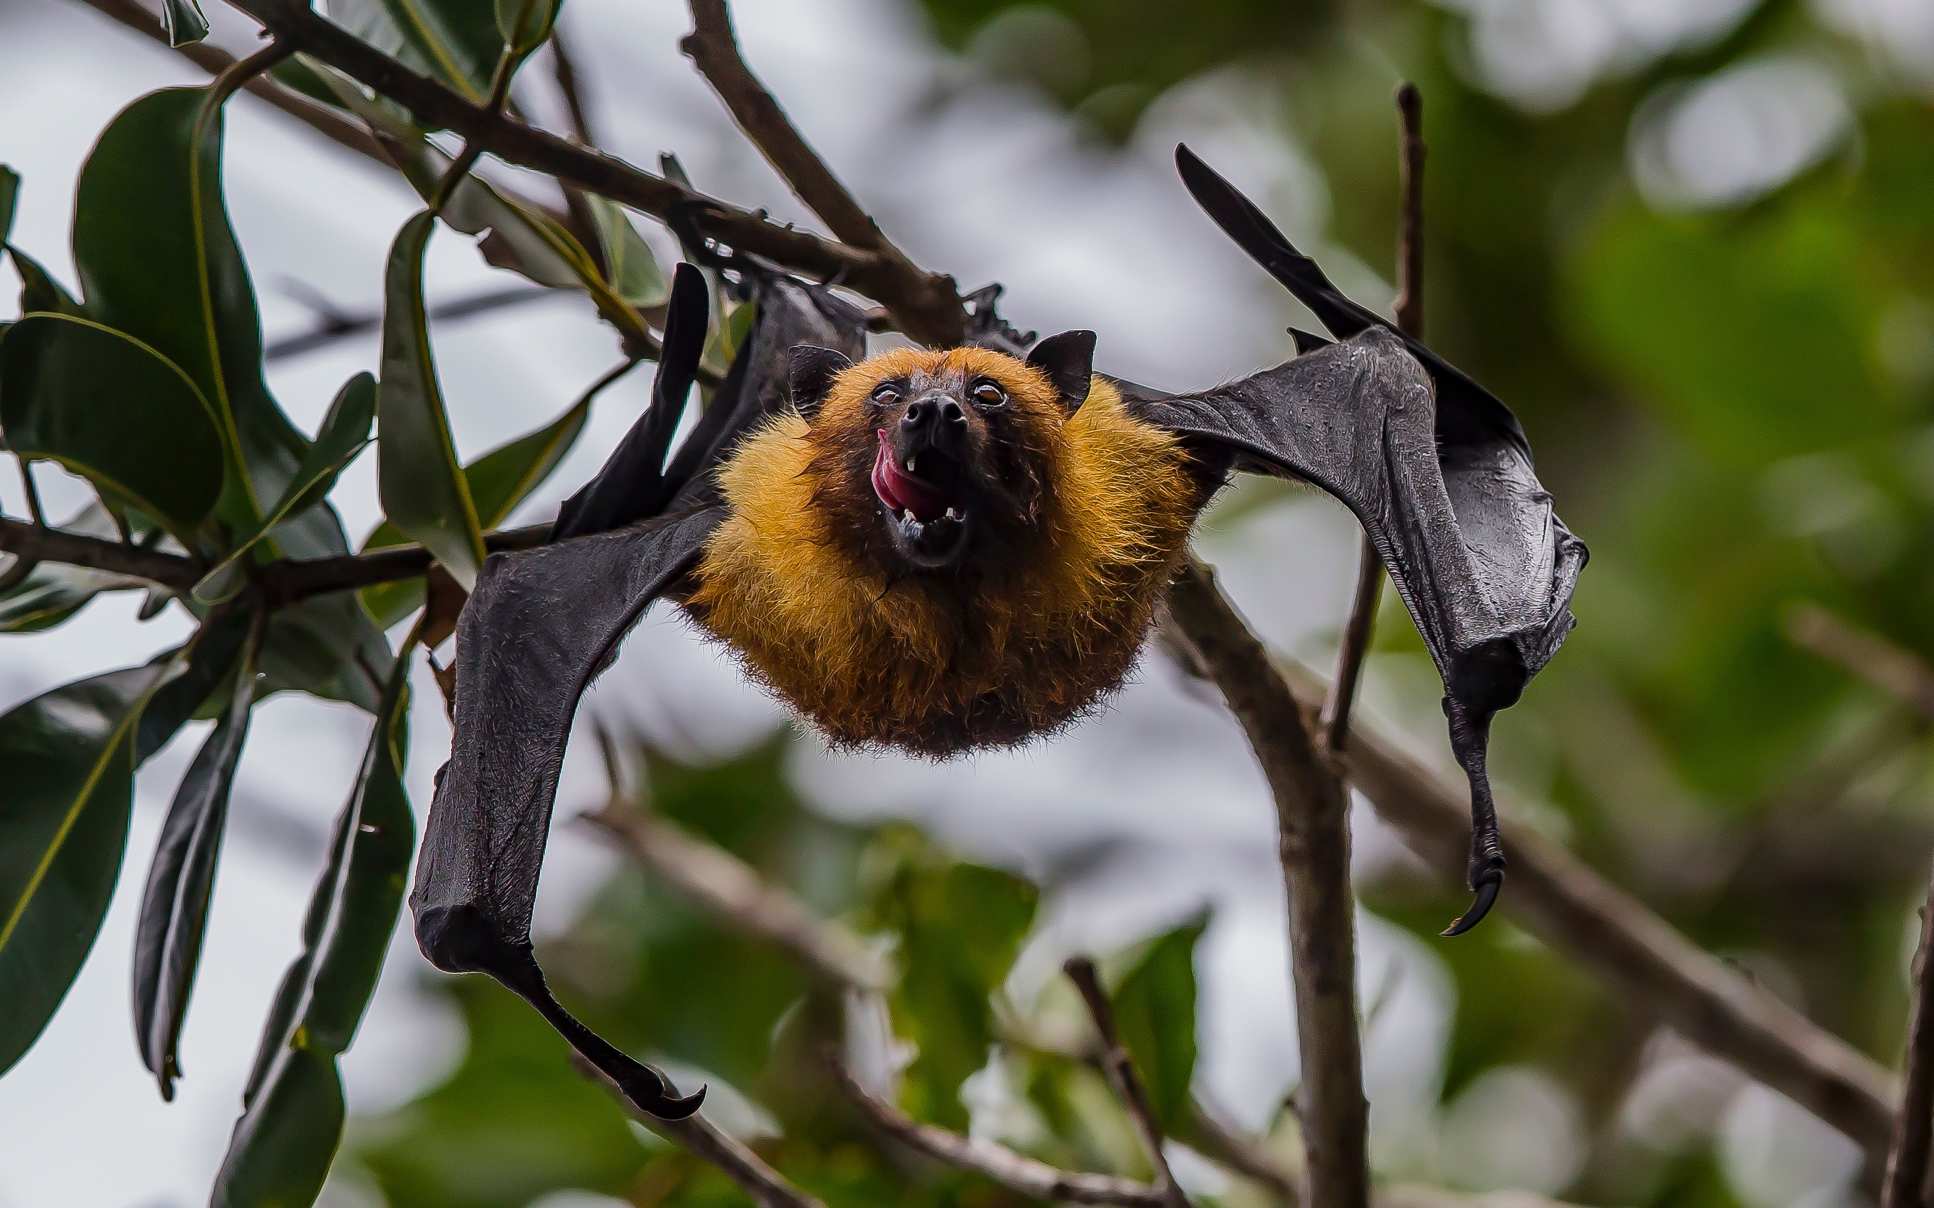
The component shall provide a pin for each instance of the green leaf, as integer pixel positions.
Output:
(499, 481)
(455, 41)
(181, 881)
(1155, 1017)
(524, 24)
(38, 290)
(211, 656)
(183, 21)
(115, 411)
(343, 435)
(69, 760)
(9, 196)
(960, 927)
(424, 491)
(176, 280)
(632, 270)
(55, 591)
(292, 1110)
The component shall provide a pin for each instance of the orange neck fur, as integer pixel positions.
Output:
(940, 663)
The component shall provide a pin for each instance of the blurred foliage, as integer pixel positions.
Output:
(1693, 251)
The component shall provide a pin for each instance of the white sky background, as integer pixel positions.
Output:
(985, 182)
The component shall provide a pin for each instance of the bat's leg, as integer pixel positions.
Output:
(1470, 733)
(463, 939)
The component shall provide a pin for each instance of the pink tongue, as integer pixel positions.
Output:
(899, 491)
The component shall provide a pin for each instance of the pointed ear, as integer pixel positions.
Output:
(1069, 361)
(810, 375)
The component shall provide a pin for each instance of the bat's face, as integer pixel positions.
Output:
(956, 447)
(938, 462)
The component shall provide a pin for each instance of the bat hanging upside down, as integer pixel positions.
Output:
(944, 550)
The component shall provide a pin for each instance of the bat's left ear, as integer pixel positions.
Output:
(1069, 361)
(810, 375)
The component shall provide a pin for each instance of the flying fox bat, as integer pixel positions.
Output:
(949, 549)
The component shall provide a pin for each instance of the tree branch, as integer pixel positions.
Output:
(1015, 1171)
(1905, 1183)
(32, 543)
(1121, 1074)
(728, 887)
(1654, 967)
(1898, 672)
(1312, 819)
(714, 48)
(915, 302)
(767, 1187)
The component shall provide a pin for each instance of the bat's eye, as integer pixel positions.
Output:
(987, 394)
(886, 394)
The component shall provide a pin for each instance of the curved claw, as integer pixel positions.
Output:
(665, 1105)
(1487, 896)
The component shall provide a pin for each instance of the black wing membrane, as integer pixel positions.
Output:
(1440, 478)
(632, 483)
(543, 622)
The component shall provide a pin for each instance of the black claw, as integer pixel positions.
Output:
(1487, 896)
(671, 1107)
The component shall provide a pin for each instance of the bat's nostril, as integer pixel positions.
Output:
(916, 411)
(950, 413)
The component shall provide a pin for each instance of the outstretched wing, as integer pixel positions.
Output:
(1441, 480)
(543, 622)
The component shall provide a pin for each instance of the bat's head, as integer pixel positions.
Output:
(932, 459)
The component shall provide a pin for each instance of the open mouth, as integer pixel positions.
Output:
(926, 513)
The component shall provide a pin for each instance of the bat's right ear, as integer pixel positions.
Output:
(1069, 361)
(810, 375)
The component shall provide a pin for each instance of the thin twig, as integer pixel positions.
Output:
(1121, 1074)
(767, 1187)
(1907, 1159)
(1312, 819)
(1211, 1131)
(1015, 1171)
(730, 889)
(34, 507)
(584, 222)
(214, 61)
(1410, 320)
(331, 325)
(714, 48)
(1893, 669)
(926, 304)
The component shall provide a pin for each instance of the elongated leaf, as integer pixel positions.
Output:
(424, 491)
(115, 411)
(39, 290)
(183, 21)
(456, 41)
(181, 880)
(69, 760)
(211, 656)
(1155, 1015)
(293, 1107)
(632, 269)
(343, 435)
(524, 24)
(9, 196)
(499, 481)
